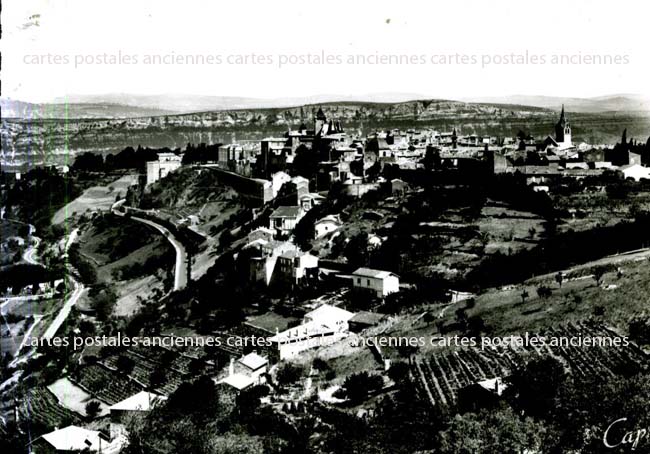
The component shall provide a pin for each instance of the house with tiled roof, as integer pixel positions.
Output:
(379, 282)
(285, 218)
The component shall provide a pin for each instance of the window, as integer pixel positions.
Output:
(358, 280)
(368, 282)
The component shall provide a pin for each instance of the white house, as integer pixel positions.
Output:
(326, 225)
(293, 265)
(331, 316)
(285, 218)
(238, 381)
(263, 265)
(166, 162)
(310, 200)
(74, 439)
(246, 371)
(301, 184)
(636, 172)
(252, 365)
(323, 326)
(380, 282)
(140, 402)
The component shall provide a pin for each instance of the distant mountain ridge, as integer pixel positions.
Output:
(30, 111)
(119, 105)
(608, 103)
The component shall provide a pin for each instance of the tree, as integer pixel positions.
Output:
(289, 373)
(92, 409)
(157, 378)
(89, 162)
(491, 433)
(125, 364)
(619, 273)
(305, 162)
(428, 318)
(198, 399)
(559, 278)
(431, 159)
(599, 273)
(544, 291)
(305, 231)
(399, 372)
(356, 251)
(407, 350)
(535, 386)
(524, 295)
(358, 386)
(475, 325)
(320, 365)
(196, 366)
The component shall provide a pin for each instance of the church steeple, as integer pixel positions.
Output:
(563, 129)
(319, 122)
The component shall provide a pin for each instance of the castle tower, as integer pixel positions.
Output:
(563, 130)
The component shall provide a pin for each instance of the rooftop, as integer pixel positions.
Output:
(367, 318)
(142, 401)
(238, 381)
(327, 311)
(292, 254)
(494, 385)
(253, 361)
(73, 438)
(272, 321)
(369, 272)
(330, 218)
(304, 331)
(313, 196)
(287, 212)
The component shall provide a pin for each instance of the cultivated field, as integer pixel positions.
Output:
(96, 198)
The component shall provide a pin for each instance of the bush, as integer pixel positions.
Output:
(358, 387)
(92, 408)
(289, 373)
(320, 365)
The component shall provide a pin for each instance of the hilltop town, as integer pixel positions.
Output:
(327, 289)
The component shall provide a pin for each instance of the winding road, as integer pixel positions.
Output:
(180, 270)
(72, 299)
(29, 255)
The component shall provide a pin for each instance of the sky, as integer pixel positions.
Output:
(270, 49)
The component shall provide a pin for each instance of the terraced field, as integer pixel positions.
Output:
(41, 407)
(106, 385)
(439, 377)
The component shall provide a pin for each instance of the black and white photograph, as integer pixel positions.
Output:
(335, 227)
